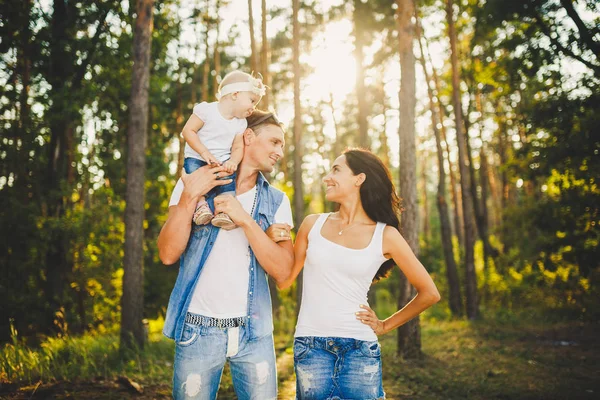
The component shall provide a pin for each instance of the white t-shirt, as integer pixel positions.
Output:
(222, 289)
(218, 133)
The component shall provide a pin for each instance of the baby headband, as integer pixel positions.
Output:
(253, 85)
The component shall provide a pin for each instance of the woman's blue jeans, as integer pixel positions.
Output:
(337, 368)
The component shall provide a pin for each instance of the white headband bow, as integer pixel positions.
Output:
(253, 85)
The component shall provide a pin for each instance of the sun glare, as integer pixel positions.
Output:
(333, 64)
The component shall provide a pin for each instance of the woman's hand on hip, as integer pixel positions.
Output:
(368, 317)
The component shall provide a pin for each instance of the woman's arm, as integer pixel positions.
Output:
(397, 248)
(299, 250)
(174, 235)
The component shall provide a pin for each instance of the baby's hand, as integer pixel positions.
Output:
(230, 166)
(209, 158)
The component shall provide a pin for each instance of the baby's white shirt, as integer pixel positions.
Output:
(217, 134)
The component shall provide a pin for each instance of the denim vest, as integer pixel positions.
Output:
(202, 238)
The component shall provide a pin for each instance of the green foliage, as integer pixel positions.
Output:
(86, 357)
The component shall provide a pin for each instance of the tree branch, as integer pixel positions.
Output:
(584, 34)
(563, 49)
(80, 73)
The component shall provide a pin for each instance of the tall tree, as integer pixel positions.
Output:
(384, 149)
(253, 51)
(65, 75)
(455, 299)
(132, 302)
(298, 150)
(409, 334)
(206, 67)
(264, 57)
(359, 43)
(481, 208)
(424, 204)
(24, 63)
(456, 203)
(217, 49)
(465, 179)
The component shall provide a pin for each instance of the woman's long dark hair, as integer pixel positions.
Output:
(377, 194)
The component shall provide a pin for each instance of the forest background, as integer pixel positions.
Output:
(487, 112)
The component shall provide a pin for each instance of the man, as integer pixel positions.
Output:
(220, 307)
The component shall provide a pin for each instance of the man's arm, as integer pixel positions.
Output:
(277, 259)
(175, 233)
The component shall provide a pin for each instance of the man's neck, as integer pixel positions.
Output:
(246, 178)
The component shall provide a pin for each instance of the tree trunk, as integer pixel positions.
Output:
(471, 277)
(425, 205)
(298, 150)
(457, 206)
(409, 334)
(60, 117)
(275, 300)
(179, 126)
(217, 50)
(384, 149)
(21, 167)
(336, 148)
(132, 302)
(194, 72)
(264, 58)
(504, 153)
(455, 300)
(254, 54)
(206, 68)
(495, 194)
(363, 127)
(483, 215)
(24, 66)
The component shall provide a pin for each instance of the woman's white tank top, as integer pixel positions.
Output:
(335, 283)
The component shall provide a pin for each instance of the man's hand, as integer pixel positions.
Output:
(279, 232)
(229, 205)
(209, 158)
(202, 180)
(230, 166)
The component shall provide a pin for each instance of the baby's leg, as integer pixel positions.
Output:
(202, 214)
(223, 220)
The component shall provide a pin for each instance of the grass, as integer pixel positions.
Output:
(501, 358)
(91, 356)
(494, 360)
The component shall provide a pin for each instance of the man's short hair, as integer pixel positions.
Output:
(261, 118)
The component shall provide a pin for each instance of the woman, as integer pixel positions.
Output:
(336, 352)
